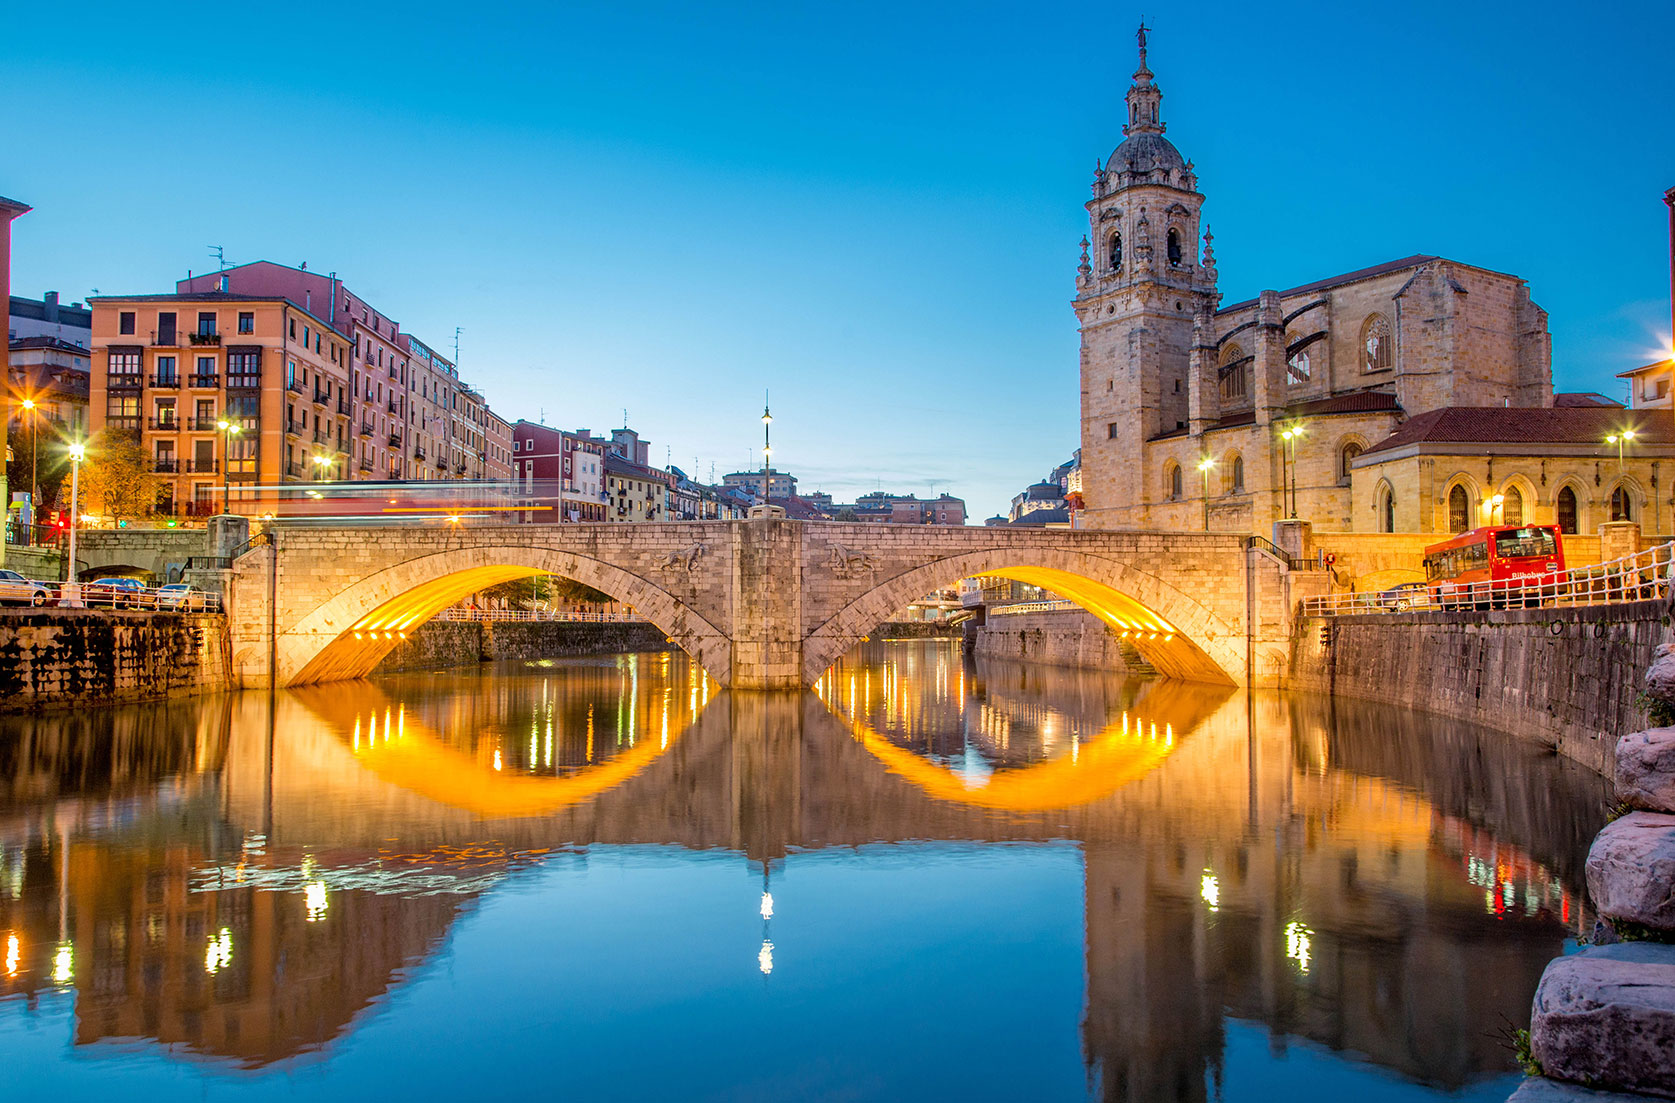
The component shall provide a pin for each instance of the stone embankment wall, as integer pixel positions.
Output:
(1568, 677)
(43, 563)
(916, 630)
(442, 643)
(56, 657)
(1071, 637)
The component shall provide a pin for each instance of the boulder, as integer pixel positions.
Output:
(1646, 770)
(1539, 1089)
(1631, 870)
(1660, 676)
(1605, 1018)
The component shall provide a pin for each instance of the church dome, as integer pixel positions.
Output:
(1146, 153)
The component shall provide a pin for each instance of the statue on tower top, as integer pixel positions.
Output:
(1140, 35)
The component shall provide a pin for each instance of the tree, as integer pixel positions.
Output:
(550, 589)
(116, 478)
(46, 461)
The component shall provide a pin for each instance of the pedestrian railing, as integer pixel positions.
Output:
(94, 595)
(1058, 606)
(1642, 576)
(566, 615)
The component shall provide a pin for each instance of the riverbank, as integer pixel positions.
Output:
(438, 644)
(55, 658)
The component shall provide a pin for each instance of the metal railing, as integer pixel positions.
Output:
(1642, 576)
(155, 599)
(565, 615)
(1056, 606)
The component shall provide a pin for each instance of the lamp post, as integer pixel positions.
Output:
(1291, 436)
(34, 465)
(1204, 466)
(228, 429)
(767, 451)
(1495, 504)
(1619, 439)
(320, 465)
(70, 595)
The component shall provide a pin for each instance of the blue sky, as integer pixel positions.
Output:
(870, 208)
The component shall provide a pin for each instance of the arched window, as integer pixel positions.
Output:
(1174, 246)
(1297, 368)
(1172, 481)
(1512, 507)
(1116, 252)
(1234, 379)
(1236, 475)
(1346, 462)
(1459, 510)
(1376, 353)
(1567, 511)
(1386, 509)
(1622, 505)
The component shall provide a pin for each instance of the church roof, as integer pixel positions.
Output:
(1145, 153)
(1338, 281)
(1525, 425)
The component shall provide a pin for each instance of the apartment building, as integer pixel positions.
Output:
(560, 474)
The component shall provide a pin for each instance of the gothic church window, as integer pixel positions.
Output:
(1512, 506)
(1233, 379)
(1172, 480)
(1236, 476)
(1622, 505)
(1459, 510)
(1386, 509)
(1174, 246)
(1116, 252)
(1376, 353)
(1346, 462)
(1567, 511)
(1297, 368)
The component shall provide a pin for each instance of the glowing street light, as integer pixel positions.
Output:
(228, 430)
(1291, 436)
(70, 595)
(320, 465)
(1204, 466)
(34, 460)
(1619, 439)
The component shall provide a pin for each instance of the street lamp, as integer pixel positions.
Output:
(70, 595)
(228, 429)
(1204, 466)
(1494, 504)
(1291, 436)
(767, 450)
(1619, 439)
(320, 465)
(34, 465)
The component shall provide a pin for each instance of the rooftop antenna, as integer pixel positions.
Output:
(625, 417)
(220, 254)
(456, 346)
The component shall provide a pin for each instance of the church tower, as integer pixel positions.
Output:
(1138, 291)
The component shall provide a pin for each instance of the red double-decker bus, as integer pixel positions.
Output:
(1478, 567)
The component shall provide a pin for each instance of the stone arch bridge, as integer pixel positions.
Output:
(760, 604)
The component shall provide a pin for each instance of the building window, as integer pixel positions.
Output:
(1297, 368)
(1346, 462)
(125, 368)
(1236, 475)
(206, 323)
(125, 322)
(166, 373)
(1174, 246)
(1233, 373)
(1172, 480)
(1512, 507)
(1111, 431)
(1459, 510)
(1375, 343)
(1567, 511)
(246, 321)
(1622, 506)
(244, 369)
(1386, 509)
(1116, 252)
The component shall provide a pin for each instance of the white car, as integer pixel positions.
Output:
(182, 597)
(14, 587)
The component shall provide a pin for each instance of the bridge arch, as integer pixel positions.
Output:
(350, 633)
(1176, 633)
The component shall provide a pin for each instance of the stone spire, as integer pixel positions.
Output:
(1144, 97)
(1209, 263)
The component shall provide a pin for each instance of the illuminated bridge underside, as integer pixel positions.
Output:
(762, 604)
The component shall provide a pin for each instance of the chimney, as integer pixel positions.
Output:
(50, 301)
(225, 284)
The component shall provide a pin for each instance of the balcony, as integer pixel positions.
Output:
(395, 407)
(202, 339)
(459, 467)
(365, 465)
(294, 428)
(164, 424)
(395, 440)
(202, 424)
(418, 451)
(166, 466)
(164, 339)
(293, 470)
(321, 398)
(343, 406)
(322, 438)
(203, 380)
(168, 382)
(294, 387)
(203, 467)
(367, 430)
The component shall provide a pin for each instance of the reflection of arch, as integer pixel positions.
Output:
(1174, 632)
(350, 634)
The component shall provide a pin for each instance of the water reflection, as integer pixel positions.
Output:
(247, 880)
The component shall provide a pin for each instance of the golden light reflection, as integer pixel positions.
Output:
(64, 964)
(314, 901)
(219, 954)
(765, 957)
(1210, 890)
(767, 905)
(13, 952)
(1299, 943)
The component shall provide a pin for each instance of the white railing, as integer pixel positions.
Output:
(1639, 577)
(563, 615)
(1033, 607)
(93, 595)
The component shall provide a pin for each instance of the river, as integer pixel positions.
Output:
(604, 879)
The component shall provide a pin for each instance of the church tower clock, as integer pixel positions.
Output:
(1138, 290)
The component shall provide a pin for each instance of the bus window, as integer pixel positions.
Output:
(1526, 543)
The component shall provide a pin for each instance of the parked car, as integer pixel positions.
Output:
(115, 592)
(1405, 595)
(182, 597)
(14, 587)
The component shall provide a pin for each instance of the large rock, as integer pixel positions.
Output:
(1539, 1089)
(1660, 676)
(1606, 1018)
(1631, 870)
(1646, 769)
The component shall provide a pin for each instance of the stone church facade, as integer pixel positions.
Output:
(1186, 403)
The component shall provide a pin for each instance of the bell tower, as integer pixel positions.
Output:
(1138, 289)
